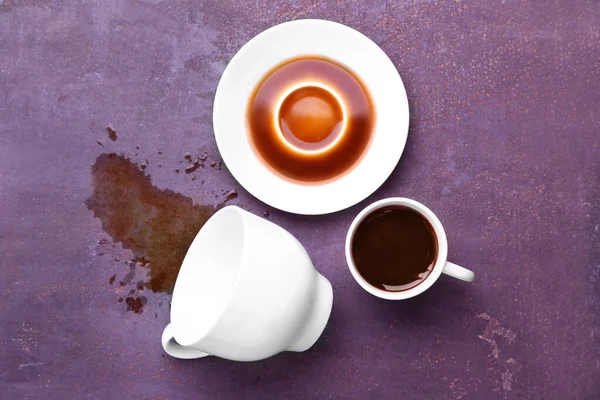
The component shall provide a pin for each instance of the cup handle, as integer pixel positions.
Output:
(458, 272)
(176, 350)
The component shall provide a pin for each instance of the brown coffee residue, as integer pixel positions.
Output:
(194, 165)
(112, 133)
(332, 138)
(136, 304)
(157, 225)
(230, 195)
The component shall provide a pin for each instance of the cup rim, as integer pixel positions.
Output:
(440, 260)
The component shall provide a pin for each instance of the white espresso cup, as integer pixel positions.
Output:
(246, 290)
(441, 265)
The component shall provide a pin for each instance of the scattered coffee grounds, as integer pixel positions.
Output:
(112, 133)
(136, 304)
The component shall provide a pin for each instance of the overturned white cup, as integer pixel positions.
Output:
(246, 290)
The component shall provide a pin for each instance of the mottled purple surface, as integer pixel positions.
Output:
(503, 145)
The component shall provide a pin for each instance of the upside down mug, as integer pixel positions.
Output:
(246, 290)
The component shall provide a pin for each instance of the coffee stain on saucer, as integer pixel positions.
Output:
(157, 225)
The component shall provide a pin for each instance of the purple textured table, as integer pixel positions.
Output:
(503, 145)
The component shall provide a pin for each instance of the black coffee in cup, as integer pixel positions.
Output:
(394, 248)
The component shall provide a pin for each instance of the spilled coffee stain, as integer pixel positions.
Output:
(157, 225)
(136, 304)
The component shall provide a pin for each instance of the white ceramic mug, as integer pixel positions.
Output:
(246, 290)
(441, 264)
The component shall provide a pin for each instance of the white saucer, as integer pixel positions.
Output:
(340, 44)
